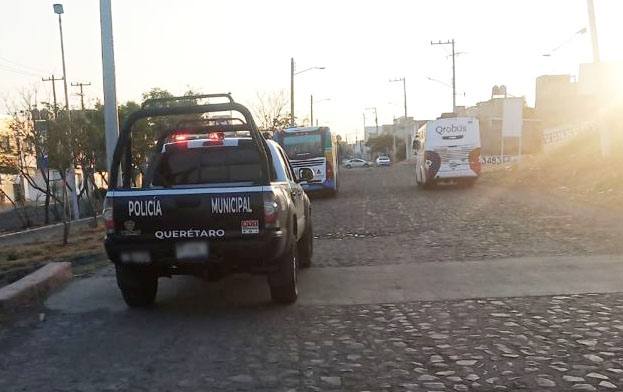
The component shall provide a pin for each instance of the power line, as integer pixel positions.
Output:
(8, 68)
(20, 65)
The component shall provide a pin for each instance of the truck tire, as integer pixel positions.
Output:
(306, 246)
(138, 285)
(284, 282)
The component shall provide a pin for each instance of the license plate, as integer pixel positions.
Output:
(140, 257)
(191, 250)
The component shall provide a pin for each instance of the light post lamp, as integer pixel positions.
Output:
(311, 107)
(71, 177)
(293, 72)
(58, 9)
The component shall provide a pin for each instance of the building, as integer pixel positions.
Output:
(557, 100)
(567, 107)
(369, 132)
(403, 129)
(491, 114)
(20, 175)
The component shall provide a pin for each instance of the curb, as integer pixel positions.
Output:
(43, 232)
(34, 287)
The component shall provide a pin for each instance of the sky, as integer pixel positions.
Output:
(244, 47)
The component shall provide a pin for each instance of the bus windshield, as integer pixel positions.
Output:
(303, 146)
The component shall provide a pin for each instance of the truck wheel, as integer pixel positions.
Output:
(283, 282)
(138, 285)
(306, 246)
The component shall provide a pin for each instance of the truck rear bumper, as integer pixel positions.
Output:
(248, 255)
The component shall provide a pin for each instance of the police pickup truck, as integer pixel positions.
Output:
(216, 198)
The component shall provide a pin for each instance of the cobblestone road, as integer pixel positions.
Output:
(382, 217)
(553, 343)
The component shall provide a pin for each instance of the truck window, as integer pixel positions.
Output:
(224, 164)
(286, 165)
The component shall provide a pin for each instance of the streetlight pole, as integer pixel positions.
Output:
(407, 136)
(58, 9)
(292, 74)
(311, 109)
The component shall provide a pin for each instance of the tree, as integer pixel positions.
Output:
(384, 144)
(380, 144)
(270, 111)
(31, 152)
(90, 150)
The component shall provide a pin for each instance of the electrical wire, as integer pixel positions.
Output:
(15, 64)
(18, 71)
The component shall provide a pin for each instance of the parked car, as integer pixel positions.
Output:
(356, 162)
(383, 161)
(216, 200)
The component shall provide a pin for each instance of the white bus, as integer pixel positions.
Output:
(447, 150)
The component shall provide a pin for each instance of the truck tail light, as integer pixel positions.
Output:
(271, 211)
(108, 216)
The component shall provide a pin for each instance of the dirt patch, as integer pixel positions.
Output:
(83, 249)
(576, 171)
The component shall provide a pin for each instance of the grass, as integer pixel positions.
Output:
(17, 261)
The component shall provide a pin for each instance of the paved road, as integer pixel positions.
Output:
(412, 335)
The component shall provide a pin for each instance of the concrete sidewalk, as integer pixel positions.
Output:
(371, 285)
(458, 280)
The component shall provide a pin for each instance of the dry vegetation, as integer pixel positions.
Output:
(576, 169)
(19, 260)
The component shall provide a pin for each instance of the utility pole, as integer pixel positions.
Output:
(53, 79)
(604, 135)
(593, 26)
(291, 91)
(111, 117)
(376, 119)
(311, 109)
(451, 42)
(81, 93)
(293, 72)
(407, 136)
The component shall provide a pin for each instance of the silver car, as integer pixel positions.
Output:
(356, 162)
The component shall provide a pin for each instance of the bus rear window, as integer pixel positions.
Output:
(306, 145)
(222, 164)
